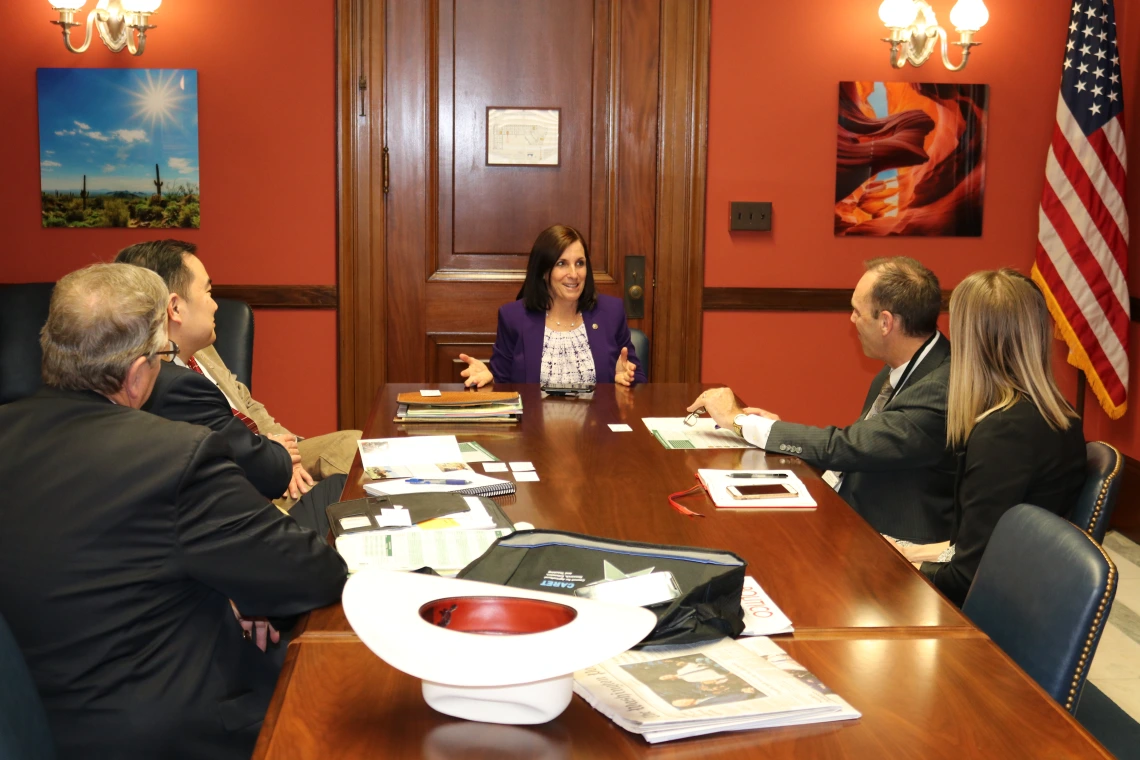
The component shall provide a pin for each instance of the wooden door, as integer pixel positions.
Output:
(434, 240)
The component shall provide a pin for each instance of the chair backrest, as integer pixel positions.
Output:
(24, 731)
(641, 345)
(1094, 506)
(23, 311)
(1042, 592)
(233, 324)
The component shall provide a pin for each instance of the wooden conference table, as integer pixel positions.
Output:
(928, 683)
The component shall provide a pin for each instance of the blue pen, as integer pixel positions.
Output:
(437, 482)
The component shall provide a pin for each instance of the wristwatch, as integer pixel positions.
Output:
(737, 422)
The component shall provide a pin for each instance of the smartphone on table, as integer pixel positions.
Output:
(764, 491)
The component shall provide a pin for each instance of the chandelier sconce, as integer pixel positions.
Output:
(915, 30)
(118, 22)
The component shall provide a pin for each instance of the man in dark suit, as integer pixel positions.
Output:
(892, 464)
(132, 542)
(183, 395)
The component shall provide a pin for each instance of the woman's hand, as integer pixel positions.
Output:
(624, 372)
(476, 374)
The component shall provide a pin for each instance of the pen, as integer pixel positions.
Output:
(438, 482)
(760, 475)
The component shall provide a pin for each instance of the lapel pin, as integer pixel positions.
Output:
(595, 325)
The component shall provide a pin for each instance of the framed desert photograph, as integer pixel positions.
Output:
(119, 147)
(910, 159)
(523, 136)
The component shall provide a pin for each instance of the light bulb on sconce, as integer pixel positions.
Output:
(915, 31)
(118, 22)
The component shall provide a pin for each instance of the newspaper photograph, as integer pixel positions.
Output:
(666, 693)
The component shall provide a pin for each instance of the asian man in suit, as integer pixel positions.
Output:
(138, 566)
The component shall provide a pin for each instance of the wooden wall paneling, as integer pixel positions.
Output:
(784, 299)
(281, 296)
(681, 169)
(444, 349)
(361, 317)
(639, 54)
(411, 36)
(510, 53)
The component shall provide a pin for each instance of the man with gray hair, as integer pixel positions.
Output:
(891, 464)
(132, 542)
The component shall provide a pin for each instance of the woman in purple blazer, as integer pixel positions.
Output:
(560, 330)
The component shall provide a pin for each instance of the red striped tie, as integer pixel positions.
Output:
(192, 363)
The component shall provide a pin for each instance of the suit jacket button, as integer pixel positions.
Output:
(783, 447)
(799, 449)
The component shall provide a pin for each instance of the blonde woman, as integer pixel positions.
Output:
(1018, 440)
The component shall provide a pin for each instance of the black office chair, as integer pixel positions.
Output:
(24, 731)
(1094, 506)
(233, 324)
(641, 345)
(1042, 592)
(23, 311)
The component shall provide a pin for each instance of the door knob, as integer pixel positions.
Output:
(636, 292)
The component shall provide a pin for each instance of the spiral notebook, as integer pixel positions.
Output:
(480, 485)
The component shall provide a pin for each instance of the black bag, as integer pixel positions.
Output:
(711, 581)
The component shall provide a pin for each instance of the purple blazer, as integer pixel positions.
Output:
(517, 356)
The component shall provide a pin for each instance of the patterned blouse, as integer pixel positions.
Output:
(566, 357)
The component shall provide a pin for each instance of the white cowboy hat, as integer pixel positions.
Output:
(487, 652)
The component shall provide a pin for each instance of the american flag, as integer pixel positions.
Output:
(1082, 239)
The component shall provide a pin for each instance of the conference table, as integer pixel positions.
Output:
(928, 683)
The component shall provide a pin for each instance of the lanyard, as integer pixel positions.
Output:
(911, 365)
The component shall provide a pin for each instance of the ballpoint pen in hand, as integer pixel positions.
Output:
(438, 482)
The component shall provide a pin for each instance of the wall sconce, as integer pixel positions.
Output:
(914, 30)
(114, 19)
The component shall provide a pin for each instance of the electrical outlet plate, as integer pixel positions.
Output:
(750, 216)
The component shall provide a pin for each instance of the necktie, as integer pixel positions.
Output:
(192, 363)
(834, 478)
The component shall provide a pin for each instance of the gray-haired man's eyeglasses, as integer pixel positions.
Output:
(171, 352)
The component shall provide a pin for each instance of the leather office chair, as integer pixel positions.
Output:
(1042, 593)
(24, 731)
(233, 324)
(1094, 506)
(23, 311)
(641, 345)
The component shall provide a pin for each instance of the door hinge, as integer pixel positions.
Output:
(385, 164)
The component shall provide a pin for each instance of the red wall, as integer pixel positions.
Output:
(773, 102)
(268, 170)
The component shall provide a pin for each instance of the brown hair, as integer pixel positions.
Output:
(908, 290)
(1002, 353)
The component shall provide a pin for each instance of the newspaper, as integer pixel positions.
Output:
(761, 615)
(666, 693)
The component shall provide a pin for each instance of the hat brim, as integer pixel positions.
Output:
(383, 608)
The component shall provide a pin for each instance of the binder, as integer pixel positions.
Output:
(482, 486)
(422, 506)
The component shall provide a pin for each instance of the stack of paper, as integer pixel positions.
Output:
(459, 406)
(427, 456)
(666, 693)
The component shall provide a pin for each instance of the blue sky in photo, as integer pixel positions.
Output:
(114, 125)
(878, 101)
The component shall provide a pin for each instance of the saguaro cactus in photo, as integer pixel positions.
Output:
(83, 192)
(157, 181)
